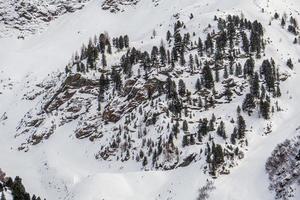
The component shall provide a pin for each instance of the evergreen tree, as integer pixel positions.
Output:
(171, 88)
(265, 108)
(145, 161)
(181, 88)
(221, 130)
(182, 58)
(185, 126)
(200, 47)
(289, 63)
(248, 104)
(191, 63)
(282, 22)
(267, 71)
(241, 127)
(233, 136)
(126, 41)
(225, 75)
(163, 55)
(245, 42)
(209, 45)
(207, 77)
(154, 56)
(255, 91)
(18, 190)
(198, 85)
(121, 42)
(185, 141)
(249, 67)
(168, 36)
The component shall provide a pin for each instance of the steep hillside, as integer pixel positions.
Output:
(158, 96)
(21, 18)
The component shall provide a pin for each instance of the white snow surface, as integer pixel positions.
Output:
(61, 168)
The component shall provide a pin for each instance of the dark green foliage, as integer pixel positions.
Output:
(241, 127)
(249, 103)
(207, 76)
(121, 42)
(181, 88)
(221, 130)
(198, 85)
(290, 64)
(18, 190)
(254, 88)
(185, 126)
(249, 67)
(267, 71)
(265, 108)
(126, 41)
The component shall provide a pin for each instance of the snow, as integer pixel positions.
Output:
(62, 168)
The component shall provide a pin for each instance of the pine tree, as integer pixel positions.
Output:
(185, 141)
(126, 41)
(233, 136)
(163, 55)
(182, 58)
(267, 71)
(245, 42)
(121, 42)
(249, 67)
(200, 47)
(218, 154)
(225, 75)
(241, 127)
(168, 36)
(207, 77)
(282, 22)
(185, 126)
(145, 161)
(198, 85)
(18, 190)
(192, 140)
(289, 63)
(221, 130)
(248, 104)
(255, 91)
(154, 56)
(181, 88)
(217, 74)
(265, 108)
(209, 44)
(191, 63)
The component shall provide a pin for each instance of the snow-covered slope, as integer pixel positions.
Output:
(64, 167)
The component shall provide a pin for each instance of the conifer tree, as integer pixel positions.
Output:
(126, 41)
(200, 47)
(248, 104)
(191, 63)
(185, 126)
(241, 127)
(181, 88)
(221, 130)
(121, 42)
(207, 77)
(198, 85)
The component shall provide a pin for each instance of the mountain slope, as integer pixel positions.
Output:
(63, 167)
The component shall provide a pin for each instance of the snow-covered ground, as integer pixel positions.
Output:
(62, 168)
